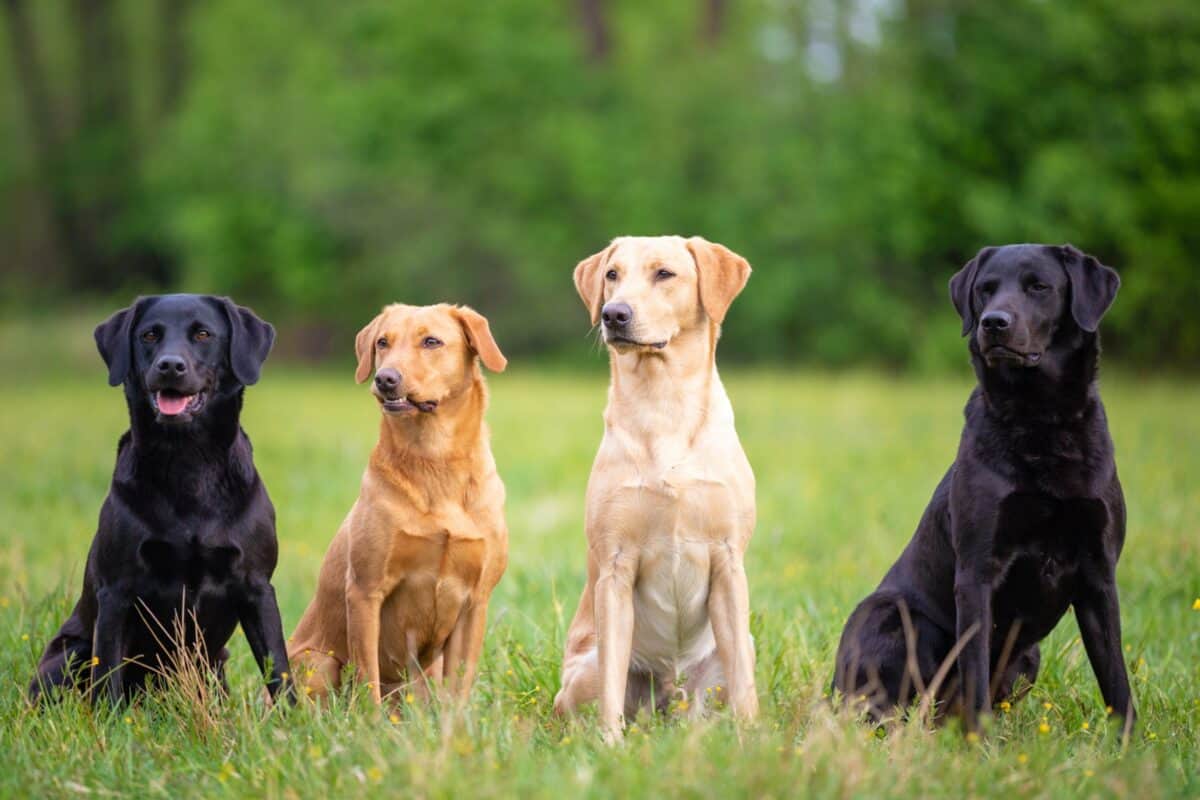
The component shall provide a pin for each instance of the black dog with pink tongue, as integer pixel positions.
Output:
(186, 546)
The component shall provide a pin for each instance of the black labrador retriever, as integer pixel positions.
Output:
(186, 543)
(1030, 518)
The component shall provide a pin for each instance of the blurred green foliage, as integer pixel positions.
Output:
(319, 159)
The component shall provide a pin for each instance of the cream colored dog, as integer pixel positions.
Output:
(403, 591)
(670, 502)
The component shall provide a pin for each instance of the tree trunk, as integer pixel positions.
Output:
(595, 29)
(47, 140)
(172, 53)
(714, 20)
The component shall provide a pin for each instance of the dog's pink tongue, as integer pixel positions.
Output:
(170, 405)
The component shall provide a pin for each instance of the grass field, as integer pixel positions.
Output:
(845, 465)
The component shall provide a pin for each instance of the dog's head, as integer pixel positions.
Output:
(179, 351)
(1018, 301)
(646, 290)
(424, 355)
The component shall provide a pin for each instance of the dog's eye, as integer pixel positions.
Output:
(611, 275)
(1038, 286)
(382, 343)
(150, 337)
(201, 335)
(663, 274)
(430, 342)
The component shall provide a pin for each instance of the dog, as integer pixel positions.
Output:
(404, 588)
(665, 610)
(185, 546)
(1030, 519)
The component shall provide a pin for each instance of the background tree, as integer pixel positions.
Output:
(321, 159)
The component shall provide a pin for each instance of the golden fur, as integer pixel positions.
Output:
(404, 588)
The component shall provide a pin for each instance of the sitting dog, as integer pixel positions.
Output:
(186, 544)
(403, 591)
(1030, 518)
(670, 503)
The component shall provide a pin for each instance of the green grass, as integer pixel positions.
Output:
(845, 465)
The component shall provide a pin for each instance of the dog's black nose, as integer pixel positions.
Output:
(387, 379)
(996, 321)
(616, 315)
(170, 366)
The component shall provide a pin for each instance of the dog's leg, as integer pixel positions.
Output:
(108, 643)
(581, 666)
(729, 612)
(973, 601)
(1098, 613)
(614, 628)
(465, 648)
(259, 615)
(362, 629)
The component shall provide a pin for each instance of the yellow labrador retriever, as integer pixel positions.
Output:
(404, 588)
(670, 502)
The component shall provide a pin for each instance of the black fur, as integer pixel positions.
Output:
(187, 533)
(1030, 518)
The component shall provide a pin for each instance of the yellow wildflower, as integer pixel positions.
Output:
(95, 661)
(972, 737)
(24, 637)
(1005, 706)
(409, 698)
(375, 774)
(1084, 726)
(1022, 758)
(1044, 727)
(392, 718)
(1047, 705)
(1196, 604)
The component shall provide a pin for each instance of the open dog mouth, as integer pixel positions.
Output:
(171, 404)
(407, 405)
(1001, 353)
(624, 341)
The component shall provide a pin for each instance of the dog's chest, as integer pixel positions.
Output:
(198, 560)
(434, 577)
(1037, 551)
(670, 596)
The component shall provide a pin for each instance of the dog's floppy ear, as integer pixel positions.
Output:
(250, 341)
(589, 281)
(1093, 286)
(962, 286)
(721, 273)
(113, 341)
(479, 336)
(364, 349)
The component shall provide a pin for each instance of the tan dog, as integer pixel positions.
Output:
(670, 501)
(404, 588)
